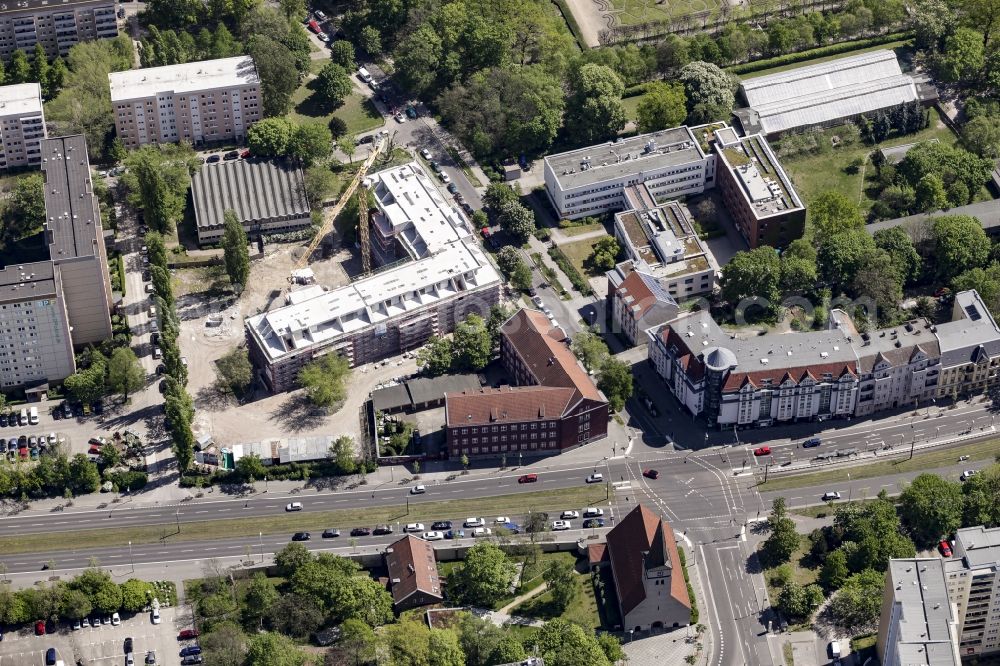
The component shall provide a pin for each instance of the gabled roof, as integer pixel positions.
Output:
(541, 347)
(736, 380)
(412, 568)
(638, 543)
(507, 404)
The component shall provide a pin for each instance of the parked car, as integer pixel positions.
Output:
(192, 659)
(592, 512)
(212, 159)
(593, 522)
(231, 155)
(245, 154)
(40, 628)
(191, 649)
(187, 634)
(452, 187)
(445, 178)
(151, 658)
(128, 645)
(454, 534)
(116, 619)
(433, 536)
(51, 657)
(811, 442)
(762, 451)
(569, 514)
(474, 522)
(361, 531)
(967, 474)
(482, 532)
(560, 525)
(381, 530)
(154, 616)
(426, 154)
(945, 548)
(413, 527)
(441, 525)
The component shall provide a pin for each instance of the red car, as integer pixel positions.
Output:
(944, 548)
(651, 474)
(762, 451)
(40, 628)
(186, 634)
(245, 154)
(528, 478)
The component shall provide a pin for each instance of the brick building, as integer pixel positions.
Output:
(413, 574)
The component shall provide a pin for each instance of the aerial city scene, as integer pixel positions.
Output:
(499, 332)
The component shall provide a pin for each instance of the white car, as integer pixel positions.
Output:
(414, 527)
(418, 489)
(560, 525)
(294, 506)
(967, 474)
(482, 532)
(596, 477)
(592, 512)
(831, 495)
(566, 515)
(155, 616)
(433, 536)
(116, 619)
(426, 154)
(445, 178)
(474, 522)
(502, 520)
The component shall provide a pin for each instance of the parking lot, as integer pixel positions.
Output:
(100, 646)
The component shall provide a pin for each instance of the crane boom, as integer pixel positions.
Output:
(330, 216)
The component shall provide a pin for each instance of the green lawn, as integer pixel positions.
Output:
(815, 174)
(984, 450)
(582, 609)
(581, 229)
(801, 571)
(578, 252)
(357, 111)
(631, 105)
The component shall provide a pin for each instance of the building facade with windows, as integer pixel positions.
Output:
(56, 26)
(747, 380)
(199, 102)
(49, 308)
(22, 125)
(918, 623)
(445, 277)
(555, 406)
(973, 575)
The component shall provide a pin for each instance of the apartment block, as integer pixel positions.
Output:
(974, 588)
(919, 622)
(198, 102)
(734, 379)
(48, 308)
(56, 26)
(22, 125)
(555, 406)
(441, 276)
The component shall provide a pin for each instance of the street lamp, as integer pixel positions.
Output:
(260, 535)
(265, 483)
(850, 488)
(131, 561)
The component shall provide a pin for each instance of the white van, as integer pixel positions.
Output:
(22, 418)
(33, 416)
(364, 75)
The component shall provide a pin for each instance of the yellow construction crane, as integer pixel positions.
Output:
(366, 249)
(330, 216)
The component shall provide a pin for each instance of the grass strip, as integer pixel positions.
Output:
(821, 54)
(464, 167)
(214, 528)
(920, 462)
(578, 281)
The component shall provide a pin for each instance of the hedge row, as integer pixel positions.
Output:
(296, 471)
(832, 49)
(687, 581)
(578, 281)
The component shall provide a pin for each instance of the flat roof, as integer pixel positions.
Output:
(663, 240)
(21, 99)
(20, 282)
(617, 159)
(978, 546)
(762, 180)
(828, 91)
(926, 623)
(72, 214)
(256, 190)
(183, 78)
(48, 6)
(971, 326)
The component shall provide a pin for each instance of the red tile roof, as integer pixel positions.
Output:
(507, 404)
(735, 380)
(636, 287)
(642, 541)
(597, 553)
(411, 562)
(690, 363)
(540, 345)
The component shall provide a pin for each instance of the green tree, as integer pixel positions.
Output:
(83, 475)
(407, 642)
(594, 109)
(103, 592)
(319, 184)
(235, 251)
(157, 182)
(834, 571)
(278, 74)
(782, 542)
(932, 508)
(324, 380)
(521, 277)
(963, 56)
(73, 604)
(517, 220)
(271, 649)
(261, 595)
(343, 454)
(959, 245)
(798, 602)
(417, 58)
(753, 274)
(225, 645)
(342, 53)
(291, 558)
(605, 253)
(270, 137)
(294, 10)
(962, 172)
(24, 213)
(110, 457)
(591, 349)
(615, 381)
(981, 135)
(563, 643)
(798, 275)
(333, 85)
(561, 579)
(877, 278)
(472, 347)
(896, 242)
(497, 196)
(483, 578)
(444, 648)
(310, 142)
(612, 647)
(663, 106)
(88, 385)
(136, 595)
(56, 78)
(370, 40)
(125, 374)
(930, 193)
(485, 644)
(358, 641)
(19, 69)
(435, 358)
(234, 373)
(250, 467)
(710, 92)
(40, 68)
(832, 213)
(842, 255)
(859, 600)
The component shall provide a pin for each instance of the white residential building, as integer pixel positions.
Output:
(198, 102)
(918, 623)
(974, 588)
(22, 125)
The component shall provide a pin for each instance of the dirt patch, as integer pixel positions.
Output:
(590, 18)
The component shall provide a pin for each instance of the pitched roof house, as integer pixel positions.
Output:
(413, 574)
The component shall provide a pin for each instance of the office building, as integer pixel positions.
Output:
(49, 308)
(441, 275)
(649, 579)
(199, 102)
(592, 180)
(555, 406)
(56, 26)
(22, 125)
(268, 197)
(735, 379)
(829, 93)
(918, 623)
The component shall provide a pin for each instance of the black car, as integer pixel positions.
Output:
(146, 276)
(382, 530)
(452, 187)
(810, 443)
(212, 159)
(128, 645)
(361, 531)
(50, 657)
(191, 649)
(231, 155)
(3, 420)
(441, 525)
(330, 534)
(593, 522)
(192, 659)
(366, 139)
(301, 536)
